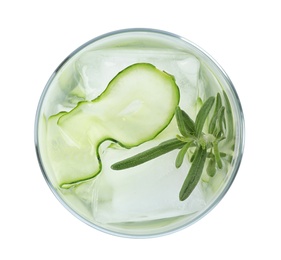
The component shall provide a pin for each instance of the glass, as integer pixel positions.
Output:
(77, 132)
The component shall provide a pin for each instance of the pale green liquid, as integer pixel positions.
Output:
(134, 202)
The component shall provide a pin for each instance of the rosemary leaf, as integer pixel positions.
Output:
(185, 123)
(194, 174)
(202, 115)
(192, 157)
(149, 154)
(181, 125)
(220, 119)
(229, 118)
(217, 155)
(213, 120)
(189, 123)
(216, 123)
(218, 103)
(212, 124)
(181, 154)
(211, 167)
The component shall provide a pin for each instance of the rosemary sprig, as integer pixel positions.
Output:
(191, 135)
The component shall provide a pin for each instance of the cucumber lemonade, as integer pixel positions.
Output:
(139, 133)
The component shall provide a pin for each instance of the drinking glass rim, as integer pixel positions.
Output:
(240, 130)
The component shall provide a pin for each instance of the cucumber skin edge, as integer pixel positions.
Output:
(168, 76)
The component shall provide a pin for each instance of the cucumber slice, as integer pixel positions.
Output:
(68, 159)
(136, 106)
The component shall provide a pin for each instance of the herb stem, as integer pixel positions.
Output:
(149, 154)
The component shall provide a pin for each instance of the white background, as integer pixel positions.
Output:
(243, 36)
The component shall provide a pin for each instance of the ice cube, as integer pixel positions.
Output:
(147, 192)
(98, 67)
